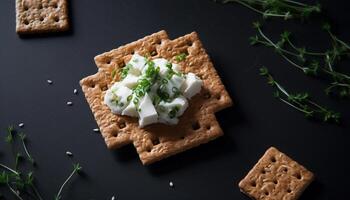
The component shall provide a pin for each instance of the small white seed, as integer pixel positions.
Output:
(171, 184)
(96, 130)
(68, 153)
(49, 81)
(21, 125)
(75, 91)
(113, 198)
(69, 103)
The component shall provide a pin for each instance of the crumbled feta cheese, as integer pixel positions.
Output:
(192, 85)
(147, 112)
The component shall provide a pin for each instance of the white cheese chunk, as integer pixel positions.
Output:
(130, 81)
(147, 112)
(131, 109)
(174, 84)
(161, 63)
(137, 63)
(192, 85)
(116, 98)
(177, 106)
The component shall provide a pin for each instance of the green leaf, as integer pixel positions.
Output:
(181, 57)
(253, 40)
(256, 25)
(264, 71)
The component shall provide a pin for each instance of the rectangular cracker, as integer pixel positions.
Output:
(276, 176)
(155, 142)
(41, 16)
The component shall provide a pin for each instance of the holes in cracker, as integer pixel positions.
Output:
(103, 87)
(275, 181)
(40, 6)
(189, 43)
(263, 171)
(207, 95)
(115, 133)
(41, 19)
(26, 22)
(56, 19)
(195, 126)
(122, 124)
(218, 97)
(266, 193)
(155, 141)
(149, 149)
(154, 53)
(285, 169)
(253, 183)
(55, 5)
(182, 137)
(289, 190)
(273, 159)
(208, 127)
(298, 176)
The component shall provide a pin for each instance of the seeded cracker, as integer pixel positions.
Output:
(276, 177)
(155, 142)
(41, 16)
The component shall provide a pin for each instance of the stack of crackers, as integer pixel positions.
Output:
(155, 142)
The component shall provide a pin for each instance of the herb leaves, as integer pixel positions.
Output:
(301, 101)
(21, 182)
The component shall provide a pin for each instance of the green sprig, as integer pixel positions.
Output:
(301, 101)
(285, 9)
(76, 168)
(307, 61)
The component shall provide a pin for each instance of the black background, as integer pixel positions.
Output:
(212, 171)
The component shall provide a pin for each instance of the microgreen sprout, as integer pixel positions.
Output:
(285, 9)
(22, 136)
(301, 101)
(311, 63)
(181, 57)
(76, 169)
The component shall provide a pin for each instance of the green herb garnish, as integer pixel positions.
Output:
(125, 70)
(181, 57)
(173, 112)
(300, 101)
(76, 169)
(310, 62)
(285, 9)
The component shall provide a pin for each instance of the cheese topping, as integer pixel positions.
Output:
(152, 90)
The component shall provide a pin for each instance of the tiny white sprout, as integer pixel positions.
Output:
(49, 81)
(171, 184)
(75, 91)
(113, 198)
(96, 130)
(68, 153)
(69, 103)
(21, 125)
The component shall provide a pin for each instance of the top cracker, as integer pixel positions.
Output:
(41, 16)
(154, 142)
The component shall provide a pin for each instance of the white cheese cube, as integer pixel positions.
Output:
(147, 112)
(116, 98)
(164, 109)
(161, 63)
(130, 81)
(131, 109)
(174, 84)
(138, 63)
(191, 86)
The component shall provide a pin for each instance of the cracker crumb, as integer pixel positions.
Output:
(171, 184)
(21, 125)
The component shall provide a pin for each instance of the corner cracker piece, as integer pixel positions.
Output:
(41, 16)
(276, 177)
(155, 142)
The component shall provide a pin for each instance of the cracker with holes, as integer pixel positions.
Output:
(159, 94)
(276, 176)
(41, 16)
